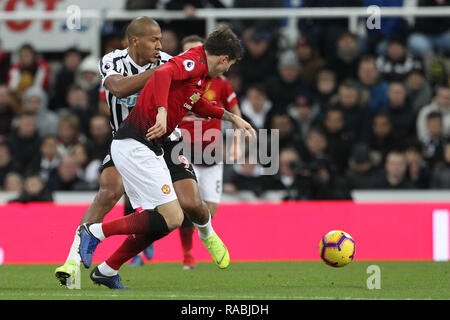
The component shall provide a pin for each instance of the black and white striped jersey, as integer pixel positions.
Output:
(120, 62)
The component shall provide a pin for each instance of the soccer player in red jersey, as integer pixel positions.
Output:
(172, 91)
(209, 175)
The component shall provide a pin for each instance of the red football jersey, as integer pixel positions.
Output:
(219, 93)
(178, 86)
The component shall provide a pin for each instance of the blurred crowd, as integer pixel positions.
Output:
(354, 111)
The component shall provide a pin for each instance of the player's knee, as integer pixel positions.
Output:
(109, 195)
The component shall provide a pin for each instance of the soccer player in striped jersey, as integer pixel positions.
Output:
(124, 73)
(137, 152)
(209, 176)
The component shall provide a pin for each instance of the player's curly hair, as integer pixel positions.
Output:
(223, 41)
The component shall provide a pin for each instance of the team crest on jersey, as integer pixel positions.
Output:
(188, 65)
(165, 189)
(195, 97)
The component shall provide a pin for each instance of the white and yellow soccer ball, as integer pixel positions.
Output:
(337, 248)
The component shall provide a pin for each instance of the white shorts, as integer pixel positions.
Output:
(145, 175)
(209, 180)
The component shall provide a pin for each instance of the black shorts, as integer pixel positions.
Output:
(182, 169)
(178, 171)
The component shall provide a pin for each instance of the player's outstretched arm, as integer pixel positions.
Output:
(122, 87)
(239, 123)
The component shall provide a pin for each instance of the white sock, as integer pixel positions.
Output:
(205, 231)
(97, 231)
(106, 270)
(73, 253)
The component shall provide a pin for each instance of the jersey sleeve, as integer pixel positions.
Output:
(205, 109)
(187, 66)
(228, 96)
(109, 66)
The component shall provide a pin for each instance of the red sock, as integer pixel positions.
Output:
(132, 245)
(186, 238)
(135, 223)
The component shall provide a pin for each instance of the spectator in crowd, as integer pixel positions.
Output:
(441, 103)
(247, 176)
(430, 35)
(31, 70)
(68, 134)
(418, 171)
(356, 114)
(5, 63)
(78, 104)
(370, 81)
(400, 112)
(88, 78)
(66, 178)
(100, 137)
(289, 163)
(260, 59)
(47, 160)
(6, 110)
(418, 89)
(395, 173)
(282, 87)
(339, 140)
(268, 24)
(396, 63)
(287, 129)
(13, 182)
(434, 145)
(310, 60)
(34, 190)
(234, 76)
(35, 101)
(319, 181)
(441, 173)
(325, 88)
(6, 164)
(170, 42)
(24, 142)
(378, 35)
(88, 169)
(326, 30)
(382, 138)
(65, 78)
(346, 59)
(305, 112)
(361, 170)
(314, 146)
(191, 25)
(256, 107)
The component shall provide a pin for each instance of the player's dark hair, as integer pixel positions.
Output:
(223, 41)
(434, 115)
(192, 38)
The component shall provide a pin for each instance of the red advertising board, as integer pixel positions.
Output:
(43, 233)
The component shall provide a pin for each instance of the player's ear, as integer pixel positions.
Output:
(224, 59)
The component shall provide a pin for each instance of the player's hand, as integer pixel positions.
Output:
(160, 126)
(240, 123)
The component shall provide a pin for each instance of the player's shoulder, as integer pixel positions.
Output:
(116, 54)
(192, 59)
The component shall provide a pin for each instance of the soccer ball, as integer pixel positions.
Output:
(337, 248)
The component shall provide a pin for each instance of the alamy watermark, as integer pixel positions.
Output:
(239, 147)
(374, 280)
(73, 21)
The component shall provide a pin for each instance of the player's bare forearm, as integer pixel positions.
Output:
(236, 111)
(122, 87)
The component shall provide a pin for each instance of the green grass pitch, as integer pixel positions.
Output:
(241, 281)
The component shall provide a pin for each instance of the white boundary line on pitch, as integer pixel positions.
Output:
(145, 296)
